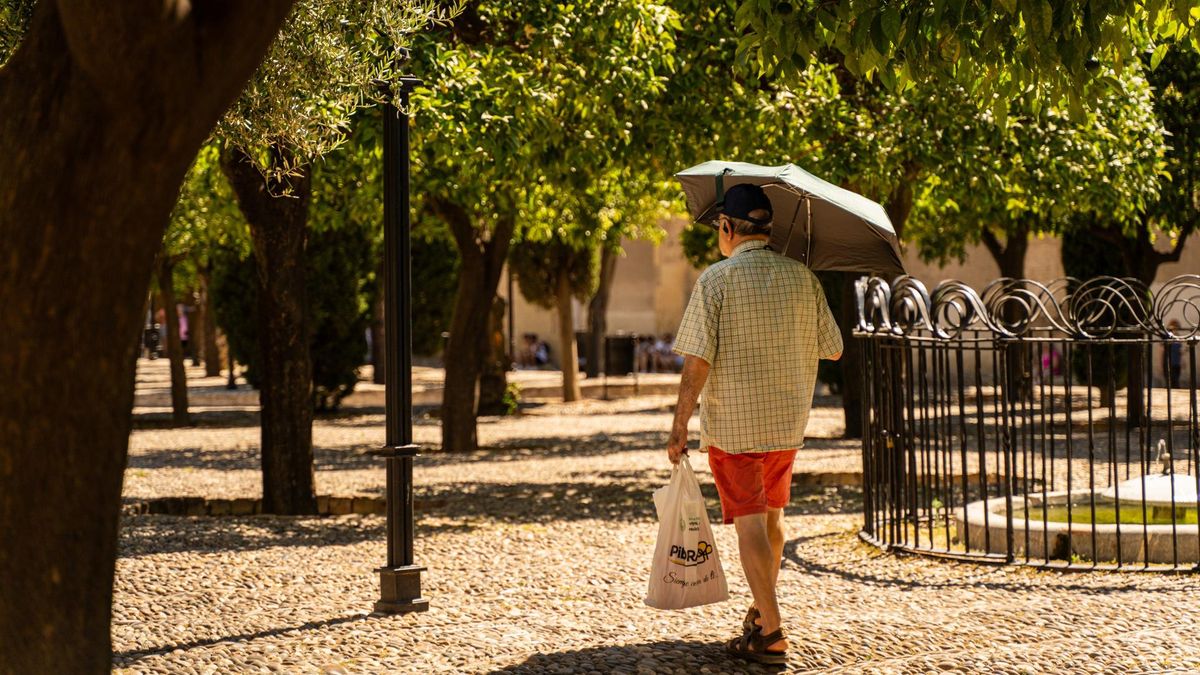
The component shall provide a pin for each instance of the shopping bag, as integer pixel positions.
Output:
(686, 571)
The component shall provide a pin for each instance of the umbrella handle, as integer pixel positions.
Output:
(807, 226)
(808, 229)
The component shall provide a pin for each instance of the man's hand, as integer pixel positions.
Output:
(677, 445)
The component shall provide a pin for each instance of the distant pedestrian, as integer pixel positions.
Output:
(751, 337)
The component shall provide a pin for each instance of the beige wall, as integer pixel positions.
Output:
(651, 286)
(652, 283)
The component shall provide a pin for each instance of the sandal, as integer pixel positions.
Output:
(752, 615)
(752, 646)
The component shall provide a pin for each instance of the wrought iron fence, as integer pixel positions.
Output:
(1046, 424)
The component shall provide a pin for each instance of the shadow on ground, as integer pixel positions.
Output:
(128, 658)
(866, 565)
(358, 457)
(660, 657)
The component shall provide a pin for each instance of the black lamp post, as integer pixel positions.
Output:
(400, 579)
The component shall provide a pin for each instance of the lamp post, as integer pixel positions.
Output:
(400, 579)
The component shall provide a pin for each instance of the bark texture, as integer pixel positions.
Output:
(208, 319)
(598, 312)
(566, 335)
(102, 108)
(174, 344)
(482, 261)
(493, 378)
(278, 219)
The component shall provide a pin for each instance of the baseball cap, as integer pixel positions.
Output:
(743, 199)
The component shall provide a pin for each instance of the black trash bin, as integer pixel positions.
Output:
(618, 354)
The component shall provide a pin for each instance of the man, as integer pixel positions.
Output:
(751, 336)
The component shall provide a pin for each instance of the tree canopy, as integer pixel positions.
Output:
(1001, 48)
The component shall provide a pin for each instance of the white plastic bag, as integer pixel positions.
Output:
(686, 571)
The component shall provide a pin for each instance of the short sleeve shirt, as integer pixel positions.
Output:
(762, 323)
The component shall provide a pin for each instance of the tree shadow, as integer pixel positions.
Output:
(629, 500)
(241, 459)
(143, 535)
(668, 656)
(127, 658)
(969, 574)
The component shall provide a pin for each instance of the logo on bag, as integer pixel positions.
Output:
(690, 523)
(690, 557)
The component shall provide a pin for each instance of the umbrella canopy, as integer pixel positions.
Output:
(816, 222)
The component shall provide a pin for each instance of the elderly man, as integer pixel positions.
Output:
(751, 336)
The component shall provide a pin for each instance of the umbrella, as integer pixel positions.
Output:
(816, 222)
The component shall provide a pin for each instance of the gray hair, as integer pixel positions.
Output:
(746, 228)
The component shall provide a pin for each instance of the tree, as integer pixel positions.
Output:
(1174, 212)
(1037, 171)
(551, 274)
(327, 64)
(520, 95)
(996, 49)
(102, 108)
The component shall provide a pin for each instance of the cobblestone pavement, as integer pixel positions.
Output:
(538, 551)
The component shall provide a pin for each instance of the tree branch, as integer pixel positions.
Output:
(1176, 252)
(993, 244)
(459, 222)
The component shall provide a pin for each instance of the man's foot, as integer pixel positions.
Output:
(754, 646)
(753, 622)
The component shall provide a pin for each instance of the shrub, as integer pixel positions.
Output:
(339, 302)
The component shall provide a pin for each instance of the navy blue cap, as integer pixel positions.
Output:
(743, 199)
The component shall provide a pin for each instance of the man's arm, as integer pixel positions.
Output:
(695, 374)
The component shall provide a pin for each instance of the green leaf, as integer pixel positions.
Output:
(1157, 57)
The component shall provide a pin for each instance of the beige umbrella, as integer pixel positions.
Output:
(816, 222)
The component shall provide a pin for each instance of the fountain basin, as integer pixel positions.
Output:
(984, 528)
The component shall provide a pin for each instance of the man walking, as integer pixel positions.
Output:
(751, 336)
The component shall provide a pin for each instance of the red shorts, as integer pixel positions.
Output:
(751, 482)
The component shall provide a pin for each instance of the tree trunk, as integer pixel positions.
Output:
(378, 351)
(493, 378)
(899, 203)
(566, 334)
(851, 361)
(479, 276)
(212, 353)
(102, 109)
(278, 228)
(464, 359)
(598, 312)
(1010, 258)
(179, 394)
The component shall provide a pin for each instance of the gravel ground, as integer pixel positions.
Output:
(538, 552)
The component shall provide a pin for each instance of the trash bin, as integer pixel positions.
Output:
(618, 354)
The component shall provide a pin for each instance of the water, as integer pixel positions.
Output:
(1106, 514)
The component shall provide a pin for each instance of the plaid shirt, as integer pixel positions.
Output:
(761, 321)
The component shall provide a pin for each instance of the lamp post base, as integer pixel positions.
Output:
(400, 590)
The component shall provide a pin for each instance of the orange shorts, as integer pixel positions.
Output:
(751, 482)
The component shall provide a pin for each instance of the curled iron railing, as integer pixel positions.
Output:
(1102, 307)
(1055, 424)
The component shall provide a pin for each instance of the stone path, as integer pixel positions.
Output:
(538, 551)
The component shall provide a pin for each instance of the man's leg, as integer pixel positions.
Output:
(761, 566)
(776, 537)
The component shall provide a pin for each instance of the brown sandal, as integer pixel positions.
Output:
(752, 615)
(752, 646)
